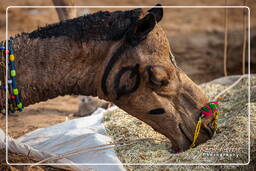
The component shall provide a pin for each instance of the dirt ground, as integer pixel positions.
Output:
(196, 37)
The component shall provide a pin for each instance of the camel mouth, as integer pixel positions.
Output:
(185, 134)
(188, 137)
(208, 130)
(189, 111)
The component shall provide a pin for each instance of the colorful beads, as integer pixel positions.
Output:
(15, 91)
(6, 51)
(12, 57)
(13, 73)
(14, 101)
(19, 105)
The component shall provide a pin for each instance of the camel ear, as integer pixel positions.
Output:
(141, 29)
(157, 11)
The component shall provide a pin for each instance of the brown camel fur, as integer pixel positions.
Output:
(122, 57)
(88, 104)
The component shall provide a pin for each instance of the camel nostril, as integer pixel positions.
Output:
(157, 111)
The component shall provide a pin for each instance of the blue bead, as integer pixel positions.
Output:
(12, 65)
(6, 86)
(2, 48)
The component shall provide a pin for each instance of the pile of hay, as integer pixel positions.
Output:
(228, 146)
(19, 158)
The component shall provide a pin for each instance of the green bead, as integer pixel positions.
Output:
(205, 109)
(13, 73)
(15, 91)
(19, 105)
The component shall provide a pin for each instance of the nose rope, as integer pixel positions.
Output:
(208, 110)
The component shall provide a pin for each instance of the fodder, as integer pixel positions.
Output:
(230, 145)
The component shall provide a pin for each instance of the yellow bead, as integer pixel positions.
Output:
(13, 73)
(19, 105)
(15, 91)
(12, 57)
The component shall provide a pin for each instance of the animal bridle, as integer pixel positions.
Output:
(210, 109)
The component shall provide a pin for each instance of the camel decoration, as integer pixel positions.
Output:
(122, 57)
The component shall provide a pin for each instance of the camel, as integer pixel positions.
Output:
(65, 13)
(122, 57)
(88, 104)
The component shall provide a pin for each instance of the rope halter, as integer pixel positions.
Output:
(210, 109)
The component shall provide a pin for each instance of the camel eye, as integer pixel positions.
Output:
(127, 80)
(157, 75)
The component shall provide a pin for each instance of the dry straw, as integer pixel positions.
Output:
(92, 149)
(134, 143)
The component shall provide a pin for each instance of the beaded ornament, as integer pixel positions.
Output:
(14, 101)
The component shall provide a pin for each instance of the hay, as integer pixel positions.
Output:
(230, 145)
(18, 158)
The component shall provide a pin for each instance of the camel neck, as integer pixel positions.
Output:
(47, 68)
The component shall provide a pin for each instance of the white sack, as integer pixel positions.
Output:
(20, 148)
(72, 135)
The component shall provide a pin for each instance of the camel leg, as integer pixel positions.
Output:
(65, 13)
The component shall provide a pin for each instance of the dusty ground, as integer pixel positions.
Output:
(196, 37)
(41, 115)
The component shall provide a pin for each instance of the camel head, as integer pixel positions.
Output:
(140, 77)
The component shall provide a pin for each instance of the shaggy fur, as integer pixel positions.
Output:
(98, 26)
